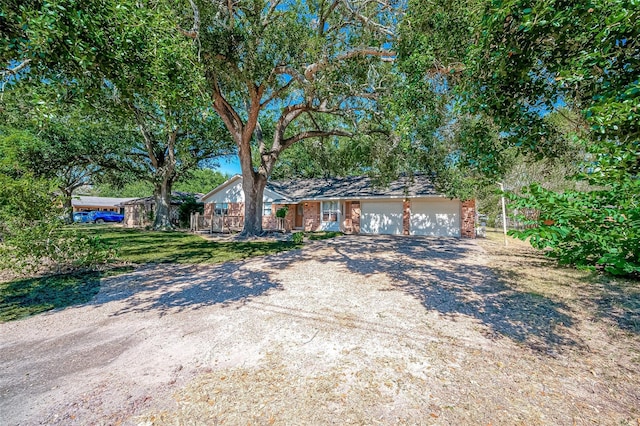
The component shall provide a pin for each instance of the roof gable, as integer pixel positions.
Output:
(231, 192)
(222, 186)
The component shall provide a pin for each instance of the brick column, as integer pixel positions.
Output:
(355, 216)
(468, 220)
(311, 211)
(406, 217)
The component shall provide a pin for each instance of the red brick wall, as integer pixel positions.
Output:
(271, 222)
(355, 217)
(468, 219)
(311, 216)
(208, 209)
(289, 219)
(235, 209)
(406, 217)
(135, 215)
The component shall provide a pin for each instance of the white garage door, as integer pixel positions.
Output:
(438, 218)
(381, 217)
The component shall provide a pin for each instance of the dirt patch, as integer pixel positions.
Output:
(353, 330)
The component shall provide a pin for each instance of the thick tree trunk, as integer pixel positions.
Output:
(68, 207)
(253, 185)
(253, 182)
(162, 193)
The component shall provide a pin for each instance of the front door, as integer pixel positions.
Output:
(299, 215)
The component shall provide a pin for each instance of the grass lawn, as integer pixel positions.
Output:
(140, 246)
(25, 297)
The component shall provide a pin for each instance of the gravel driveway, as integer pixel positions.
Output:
(352, 330)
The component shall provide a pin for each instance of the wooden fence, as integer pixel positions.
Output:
(202, 223)
(211, 224)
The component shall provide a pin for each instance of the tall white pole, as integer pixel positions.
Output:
(504, 214)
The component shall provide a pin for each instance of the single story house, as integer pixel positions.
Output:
(353, 205)
(85, 203)
(140, 212)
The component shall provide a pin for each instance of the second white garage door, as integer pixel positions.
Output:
(381, 217)
(438, 218)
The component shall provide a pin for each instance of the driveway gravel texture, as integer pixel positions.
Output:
(352, 330)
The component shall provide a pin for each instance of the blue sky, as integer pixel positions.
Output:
(229, 165)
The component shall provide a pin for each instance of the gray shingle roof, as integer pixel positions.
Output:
(177, 197)
(88, 201)
(352, 187)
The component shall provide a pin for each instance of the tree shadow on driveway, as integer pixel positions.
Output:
(169, 288)
(450, 276)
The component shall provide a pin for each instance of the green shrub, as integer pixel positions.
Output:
(592, 230)
(282, 212)
(189, 206)
(33, 236)
(297, 237)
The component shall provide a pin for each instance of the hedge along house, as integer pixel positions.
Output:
(352, 205)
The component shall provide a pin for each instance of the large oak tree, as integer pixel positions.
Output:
(290, 65)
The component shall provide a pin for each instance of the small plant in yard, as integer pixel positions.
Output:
(33, 236)
(324, 235)
(297, 237)
(281, 213)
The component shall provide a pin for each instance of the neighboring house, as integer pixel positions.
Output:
(352, 205)
(139, 212)
(84, 203)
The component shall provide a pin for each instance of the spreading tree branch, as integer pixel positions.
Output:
(266, 21)
(368, 21)
(286, 143)
(383, 54)
(195, 28)
(15, 70)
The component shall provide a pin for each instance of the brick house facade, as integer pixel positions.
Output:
(351, 205)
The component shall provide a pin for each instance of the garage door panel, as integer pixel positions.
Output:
(381, 218)
(438, 218)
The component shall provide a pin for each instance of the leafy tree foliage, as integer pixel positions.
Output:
(198, 181)
(518, 60)
(73, 147)
(555, 173)
(134, 189)
(127, 60)
(317, 158)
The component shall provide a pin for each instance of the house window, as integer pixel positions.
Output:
(330, 211)
(266, 209)
(221, 209)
